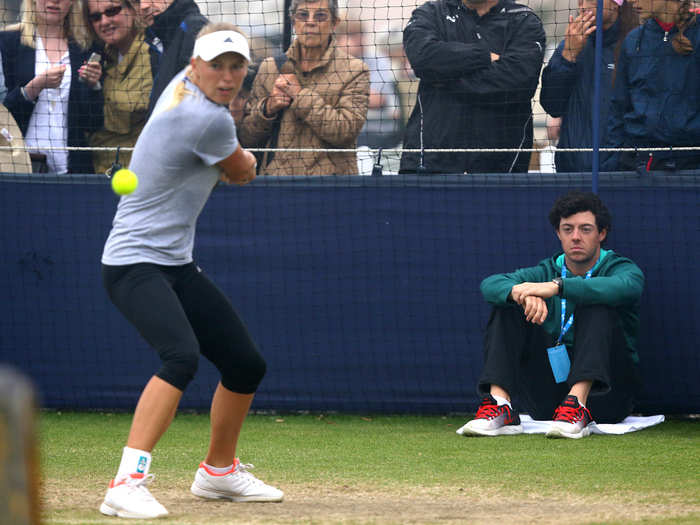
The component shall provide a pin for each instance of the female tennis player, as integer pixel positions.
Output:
(187, 145)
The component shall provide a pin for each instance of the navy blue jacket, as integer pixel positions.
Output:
(567, 92)
(656, 101)
(464, 99)
(155, 51)
(177, 29)
(85, 105)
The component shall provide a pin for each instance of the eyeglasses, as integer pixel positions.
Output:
(110, 12)
(302, 15)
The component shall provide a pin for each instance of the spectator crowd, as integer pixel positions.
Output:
(81, 78)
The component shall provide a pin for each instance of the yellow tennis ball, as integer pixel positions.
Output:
(124, 182)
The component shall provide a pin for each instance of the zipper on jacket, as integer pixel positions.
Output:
(666, 36)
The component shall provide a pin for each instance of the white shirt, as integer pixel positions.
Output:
(48, 125)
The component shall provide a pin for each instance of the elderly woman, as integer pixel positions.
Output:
(655, 103)
(127, 81)
(319, 99)
(53, 93)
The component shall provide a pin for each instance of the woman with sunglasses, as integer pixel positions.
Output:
(187, 145)
(127, 81)
(54, 94)
(318, 100)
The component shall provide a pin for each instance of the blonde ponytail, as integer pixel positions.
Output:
(179, 94)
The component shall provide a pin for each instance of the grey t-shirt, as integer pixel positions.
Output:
(174, 160)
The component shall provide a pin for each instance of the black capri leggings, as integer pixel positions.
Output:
(181, 313)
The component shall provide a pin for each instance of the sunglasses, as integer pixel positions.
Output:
(110, 12)
(302, 15)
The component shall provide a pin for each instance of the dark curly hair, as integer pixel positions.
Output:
(577, 201)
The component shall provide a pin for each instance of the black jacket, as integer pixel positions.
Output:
(465, 100)
(177, 29)
(85, 105)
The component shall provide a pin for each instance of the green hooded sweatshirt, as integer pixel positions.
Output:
(616, 281)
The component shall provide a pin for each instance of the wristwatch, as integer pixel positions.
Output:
(560, 284)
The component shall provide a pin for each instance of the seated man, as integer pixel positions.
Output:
(533, 318)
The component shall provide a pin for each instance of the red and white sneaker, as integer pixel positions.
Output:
(571, 420)
(128, 497)
(235, 485)
(492, 419)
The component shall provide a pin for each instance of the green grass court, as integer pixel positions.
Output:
(341, 468)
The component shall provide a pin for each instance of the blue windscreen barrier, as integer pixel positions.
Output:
(362, 292)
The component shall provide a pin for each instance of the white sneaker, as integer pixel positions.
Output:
(571, 420)
(129, 498)
(492, 419)
(236, 485)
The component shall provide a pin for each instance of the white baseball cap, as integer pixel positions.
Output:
(210, 46)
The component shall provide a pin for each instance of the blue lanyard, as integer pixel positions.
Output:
(566, 325)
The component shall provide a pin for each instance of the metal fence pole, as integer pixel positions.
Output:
(596, 96)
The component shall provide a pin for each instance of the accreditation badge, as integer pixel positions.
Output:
(559, 361)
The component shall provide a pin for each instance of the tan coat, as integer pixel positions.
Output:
(329, 112)
(127, 87)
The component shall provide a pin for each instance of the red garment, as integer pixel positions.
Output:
(665, 26)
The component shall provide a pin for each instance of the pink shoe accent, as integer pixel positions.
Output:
(137, 475)
(211, 473)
